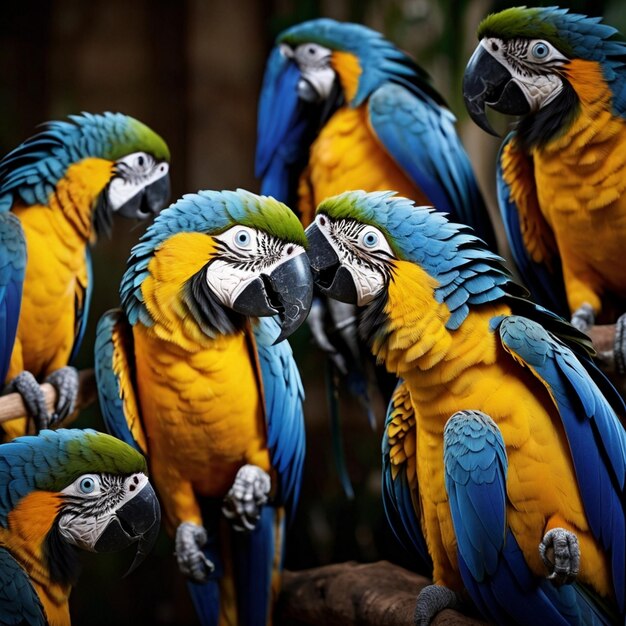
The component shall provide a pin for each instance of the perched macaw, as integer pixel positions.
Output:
(58, 191)
(59, 491)
(509, 429)
(562, 171)
(343, 108)
(194, 373)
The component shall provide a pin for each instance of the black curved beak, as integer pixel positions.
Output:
(138, 521)
(331, 277)
(149, 201)
(287, 292)
(488, 82)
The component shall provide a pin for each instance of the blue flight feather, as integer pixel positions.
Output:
(253, 559)
(492, 566)
(108, 383)
(19, 603)
(284, 395)
(12, 269)
(596, 438)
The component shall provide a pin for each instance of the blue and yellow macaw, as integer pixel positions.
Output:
(59, 491)
(508, 428)
(193, 372)
(562, 171)
(58, 191)
(343, 108)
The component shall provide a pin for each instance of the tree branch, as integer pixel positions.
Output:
(370, 594)
(12, 406)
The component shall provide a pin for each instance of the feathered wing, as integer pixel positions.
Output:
(115, 379)
(257, 556)
(12, 268)
(596, 438)
(399, 485)
(284, 395)
(491, 563)
(283, 129)
(530, 237)
(19, 604)
(421, 138)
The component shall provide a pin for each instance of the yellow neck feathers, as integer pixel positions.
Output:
(590, 139)
(348, 69)
(77, 191)
(417, 345)
(181, 257)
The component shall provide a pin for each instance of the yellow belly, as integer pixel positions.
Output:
(56, 260)
(203, 417)
(346, 155)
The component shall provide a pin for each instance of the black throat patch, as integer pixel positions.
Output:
(61, 558)
(537, 129)
(211, 315)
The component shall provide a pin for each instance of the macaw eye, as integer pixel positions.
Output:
(540, 50)
(242, 238)
(370, 239)
(87, 484)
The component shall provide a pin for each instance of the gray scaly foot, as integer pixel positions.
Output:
(431, 600)
(192, 562)
(35, 402)
(561, 555)
(242, 504)
(583, 318)
(65, 381)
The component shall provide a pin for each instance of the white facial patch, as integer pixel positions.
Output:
(247, 254)
(91, 502)
(533, 64)
(134, 172)
(313, 61)
(355, 245)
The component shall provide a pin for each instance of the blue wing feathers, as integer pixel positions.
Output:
(284, 395)
(12, 268)
(19, 603)
(421, 138)
(111, 402)
(596, 438)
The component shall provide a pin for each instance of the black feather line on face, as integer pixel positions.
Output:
(373, 320)
(211, 315)
(61, 558)
(552, 120)
(103, 214)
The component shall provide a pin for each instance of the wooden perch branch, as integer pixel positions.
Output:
(370, 594)
(12, 406)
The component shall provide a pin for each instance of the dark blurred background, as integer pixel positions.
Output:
(192, 70)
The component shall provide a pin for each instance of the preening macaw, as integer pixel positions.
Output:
(562, 171)
(59, 491)
(58, 191)
(511, 430)
(194, 373)
(343, 108)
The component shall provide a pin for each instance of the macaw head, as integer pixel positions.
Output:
(216, 258)
(117, 163)
(387, 256)
(314, 68)
(539, 63)
(67, 489)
